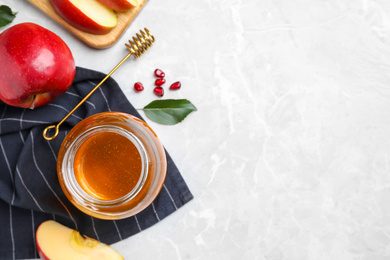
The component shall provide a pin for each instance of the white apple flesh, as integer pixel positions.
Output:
(58, 242)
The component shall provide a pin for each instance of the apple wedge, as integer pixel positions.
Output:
(87, 15)
(119, 5)
(58, 242)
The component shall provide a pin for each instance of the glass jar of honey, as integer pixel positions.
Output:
(111, 165)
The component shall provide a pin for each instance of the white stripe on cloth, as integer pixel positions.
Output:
(12, 200)
(94, 229)
(47, 183)
(11, 231)
(155, 212)
(33, 233)
(11, 223)
(117, 230)
(21, 119)
(52, 150)
(87, 102)
(136, 220)
(105, 99)
(63, 108)
(21, 136)
(21, 178)
(13, 193)
(7, 162)
(169, 194)
(29, 192)
(104, 96)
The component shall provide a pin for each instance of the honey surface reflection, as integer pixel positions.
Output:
(107, 165)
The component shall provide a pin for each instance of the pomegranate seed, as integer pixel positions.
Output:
(159, 82)
(159, 73)
(138, 86)
(159, 91)
(175, 86)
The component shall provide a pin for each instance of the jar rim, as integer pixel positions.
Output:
(73, 185)
(157, 164)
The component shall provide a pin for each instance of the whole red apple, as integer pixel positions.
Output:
(36, 66)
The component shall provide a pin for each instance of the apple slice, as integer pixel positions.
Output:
(57, 242)
(119, 5)
(87, 15)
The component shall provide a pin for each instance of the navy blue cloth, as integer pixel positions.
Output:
(29, 189)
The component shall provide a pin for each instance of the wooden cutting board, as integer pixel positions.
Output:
(97, 41)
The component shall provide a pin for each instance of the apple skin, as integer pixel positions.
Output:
(37, 66)
(57, 242)
(119, 5)
(76, 17)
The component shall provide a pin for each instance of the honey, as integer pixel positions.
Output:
(107, 165)
(111, 165)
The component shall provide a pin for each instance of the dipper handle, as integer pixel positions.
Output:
(137, 47)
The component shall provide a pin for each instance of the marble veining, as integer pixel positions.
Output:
(288, 153)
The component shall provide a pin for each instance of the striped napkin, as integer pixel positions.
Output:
(29, 189)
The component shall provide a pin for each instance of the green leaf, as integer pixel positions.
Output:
(6, 15)
(169, 111)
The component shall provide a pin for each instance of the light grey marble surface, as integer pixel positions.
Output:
(288, 153)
